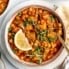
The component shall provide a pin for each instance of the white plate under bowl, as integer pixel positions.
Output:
(52, 64)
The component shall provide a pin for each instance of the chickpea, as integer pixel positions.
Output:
(53, 44)
(5, 1)
(43, 25)
(58, 42)
(9, 34)
(23, 17)
(49, 56)
(55, 49)
(35, 58)
(45, 12)
(31, 9)
(31, 43)
(26, 15)
(40, 11)
(20, 51)
(44, 56)
(32, 17)
(36, 43)
(12, 25)
(55, 25)
(45, 17)
(44, 43)
(32, 36)
(39, 22)
(10, 41)
(48, 19)
(1, 7)
(49, 45)
(20, 22)
(27, 59)
(29, 13)
(29, 27)
(25, 12)
(42, 21)
(0, 1)
(33, 12)
(15, 22)
(60, 32)
(15, 29)
(50, 25)
(17, 18)
(52, 34)
(47, 51)
(60, 25)
(21, 57)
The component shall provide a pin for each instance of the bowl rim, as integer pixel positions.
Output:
(6, 34)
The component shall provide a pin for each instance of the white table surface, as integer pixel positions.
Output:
(14, 2)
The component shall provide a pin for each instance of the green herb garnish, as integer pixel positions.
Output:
(52, 18)
(12, 36)
(41, 35)
(38, 54)
(37, 50)
(39, 61)
(15, 50)
(20, 13)
(10, 29)
(51, 39)
(28, 21)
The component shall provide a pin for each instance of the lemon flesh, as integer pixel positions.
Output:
(21, 41)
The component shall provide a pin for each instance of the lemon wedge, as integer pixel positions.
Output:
(21, 41)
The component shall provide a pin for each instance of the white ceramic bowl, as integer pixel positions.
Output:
(57, 61)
